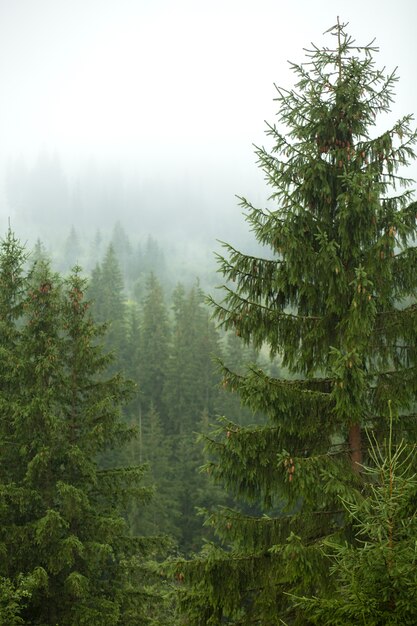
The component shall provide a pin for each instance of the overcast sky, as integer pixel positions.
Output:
(171, 85)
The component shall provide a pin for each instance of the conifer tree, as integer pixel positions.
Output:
(38, 253)
(375, 575)
(152, 359)
(191, 380)
(106, 290)
(162, 515)
(72, 251)
(13, 284)
(122, 249)
(235, 355)
(130, 363)
(153, 257)
(330, 301)
(13, 281)
(61, 516)
(190, 392)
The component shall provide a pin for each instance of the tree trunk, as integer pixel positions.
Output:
(355, 445)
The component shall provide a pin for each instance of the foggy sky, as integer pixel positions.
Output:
(171, 92)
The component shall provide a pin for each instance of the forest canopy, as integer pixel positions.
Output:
(168, 459)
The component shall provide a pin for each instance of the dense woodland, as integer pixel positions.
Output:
(146, 356)
(243, 459)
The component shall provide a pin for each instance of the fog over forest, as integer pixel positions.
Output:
(145, 113)
(208, 320)
(44, 197)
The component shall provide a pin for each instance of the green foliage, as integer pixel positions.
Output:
(62, 516)
(190, 392)
(235, 358)
(375, 576)
(152, 359)
(191, 385)
(169, 357)
(106, 291)
(13, 598)
(153, 447)
(121, 246)
(334, 302)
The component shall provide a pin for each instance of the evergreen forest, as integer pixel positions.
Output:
(173, 453)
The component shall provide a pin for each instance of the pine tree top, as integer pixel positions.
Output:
(339, 231)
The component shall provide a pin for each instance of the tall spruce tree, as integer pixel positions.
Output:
(13, 283)
(106, 290)
(66, 547)
(190, 388)
(153, 357)
(331, 301)
(162, 515)
(190, 393)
